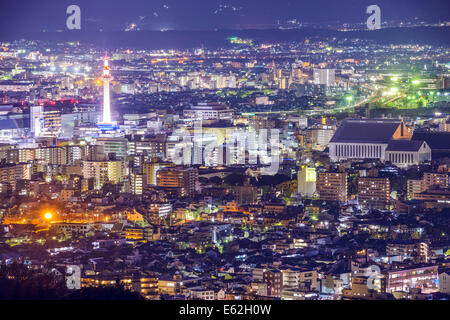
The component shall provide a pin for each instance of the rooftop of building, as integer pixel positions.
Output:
(405, 145)
(208, 106)
(366, 130)
(436, 140)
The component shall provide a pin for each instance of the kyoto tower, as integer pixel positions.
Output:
(106, 78)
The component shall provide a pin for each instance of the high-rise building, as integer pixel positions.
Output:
(103, 171)
(150, 169)
(324, 76)
(332, 186)
(151, 147)
(414, 186)
(306, 181)
(10, 175)
(178, 177)
(374, 192)
(417, 251)
(138, 182)
(94, 152)
(51, 155)
(46, 122)
(113, 145)
(274, 280)
(320, 137)
(36, 120)
(73, 154)
(430, 180)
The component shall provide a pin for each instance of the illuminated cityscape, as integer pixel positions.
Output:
(269, 165)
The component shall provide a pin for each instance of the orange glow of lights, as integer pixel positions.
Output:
(98, 82)
(48, 216)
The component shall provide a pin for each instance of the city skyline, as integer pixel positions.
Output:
(233, 171)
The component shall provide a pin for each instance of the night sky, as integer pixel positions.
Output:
(35, 15)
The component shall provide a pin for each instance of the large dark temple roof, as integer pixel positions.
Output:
(436, 140)
(404, 145)
(367, 130)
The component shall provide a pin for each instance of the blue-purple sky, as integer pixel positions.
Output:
(35, 15)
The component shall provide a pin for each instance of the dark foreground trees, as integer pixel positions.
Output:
(17, 282)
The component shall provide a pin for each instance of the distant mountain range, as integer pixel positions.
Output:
(193, 39)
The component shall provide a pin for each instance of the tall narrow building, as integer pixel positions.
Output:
(106, 78)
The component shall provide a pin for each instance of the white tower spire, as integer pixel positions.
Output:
(106, 77)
